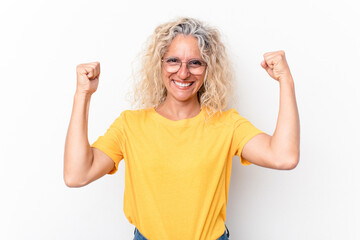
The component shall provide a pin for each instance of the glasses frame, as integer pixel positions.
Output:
(187, 64)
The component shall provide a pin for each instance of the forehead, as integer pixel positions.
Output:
(183, 47)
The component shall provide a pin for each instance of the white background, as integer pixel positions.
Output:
(43, 41)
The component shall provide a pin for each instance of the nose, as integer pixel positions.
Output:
(183, 72)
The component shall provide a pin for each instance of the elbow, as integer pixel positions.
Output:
(72, 182)
(73, 176)
(289, 163)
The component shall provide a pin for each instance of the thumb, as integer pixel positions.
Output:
(267, 68)
(264, 65)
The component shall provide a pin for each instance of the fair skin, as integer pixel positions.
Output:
(180, 102)
(83, 164)
(282, 150)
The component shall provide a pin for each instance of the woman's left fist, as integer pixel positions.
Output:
(276, 66)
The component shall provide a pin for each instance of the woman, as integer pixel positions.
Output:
(179, 145)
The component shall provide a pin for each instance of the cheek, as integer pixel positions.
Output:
(201, 80)
(163, 75)
(165, 78)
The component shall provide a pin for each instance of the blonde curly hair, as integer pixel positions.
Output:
(149, 89)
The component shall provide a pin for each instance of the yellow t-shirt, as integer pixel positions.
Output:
(177, 173)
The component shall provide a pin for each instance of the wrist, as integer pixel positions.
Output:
(82, 95)
(286, 79)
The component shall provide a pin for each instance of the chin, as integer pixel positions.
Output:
(182, 98)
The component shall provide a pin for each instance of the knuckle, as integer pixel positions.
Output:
(267, 54)
(79, 68)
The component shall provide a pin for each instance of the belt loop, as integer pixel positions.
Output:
(227, 232)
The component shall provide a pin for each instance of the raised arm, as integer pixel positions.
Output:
(282, 150)
(83, 164)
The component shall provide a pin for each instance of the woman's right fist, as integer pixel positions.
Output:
(87, 77)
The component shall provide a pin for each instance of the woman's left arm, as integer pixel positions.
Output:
(282, 150)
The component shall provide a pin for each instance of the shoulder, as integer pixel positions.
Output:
(136, 112)
(134, 115)
(225, 117)
(234, 116)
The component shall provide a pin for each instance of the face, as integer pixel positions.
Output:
(184, 48)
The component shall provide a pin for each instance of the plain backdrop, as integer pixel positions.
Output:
(42, 42)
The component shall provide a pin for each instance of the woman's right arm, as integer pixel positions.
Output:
(83, 164)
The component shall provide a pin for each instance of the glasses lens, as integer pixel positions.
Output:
(195, 66)
(197, 70)
(172, 68)
(172, 65)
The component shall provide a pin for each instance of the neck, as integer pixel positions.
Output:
(176, 110)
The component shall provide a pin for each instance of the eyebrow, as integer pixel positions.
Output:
(194, 58)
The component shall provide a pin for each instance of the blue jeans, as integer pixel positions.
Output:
(139, 236)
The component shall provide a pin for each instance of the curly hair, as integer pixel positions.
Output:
(149, 89)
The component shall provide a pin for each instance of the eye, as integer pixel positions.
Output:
(172, 61)
(195, 63)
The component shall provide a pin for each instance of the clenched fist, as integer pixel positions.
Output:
(87, 77)
(276, 65)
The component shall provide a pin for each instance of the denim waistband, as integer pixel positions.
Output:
(139, 236)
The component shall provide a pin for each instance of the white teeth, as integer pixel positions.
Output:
(182, 84)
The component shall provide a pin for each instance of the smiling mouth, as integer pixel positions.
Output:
(182, 85)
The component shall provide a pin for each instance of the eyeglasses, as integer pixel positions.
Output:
(173, 64)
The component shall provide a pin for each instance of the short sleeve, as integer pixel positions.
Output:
(244, 130)
(112, 142)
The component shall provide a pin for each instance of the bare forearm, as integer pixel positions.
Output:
(78, 155)
(286, 138)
